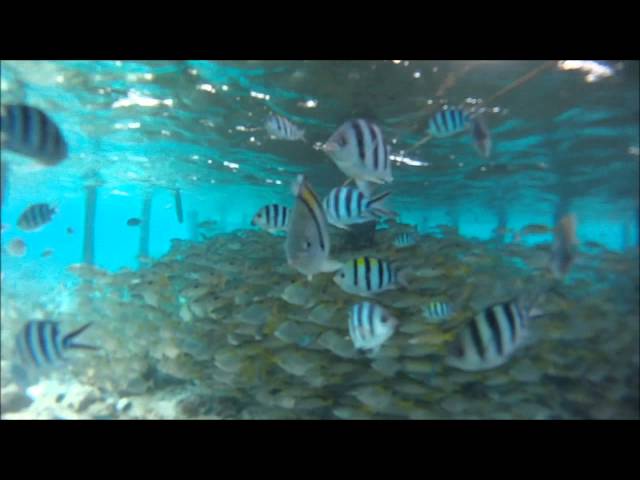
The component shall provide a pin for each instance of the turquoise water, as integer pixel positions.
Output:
(564, 140)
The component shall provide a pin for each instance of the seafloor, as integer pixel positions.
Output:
(224, 329)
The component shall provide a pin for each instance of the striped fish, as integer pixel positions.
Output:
(370, 326)
(405, 240)
(348, 205)
(272, 218)
(489, 338)
(308, 245)
(437, 311)
(29, 131)
(449, 122)
(35, 217)
(40, 343)
(358, 149)
(282, 129)
(367, 276)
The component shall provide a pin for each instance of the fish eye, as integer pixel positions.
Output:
(308, 244)
(259, 215)
(341, 274)
(342, 140)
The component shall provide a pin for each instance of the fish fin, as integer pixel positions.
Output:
(68, 342)
(365, 186)
(347, 182)
(331, 265)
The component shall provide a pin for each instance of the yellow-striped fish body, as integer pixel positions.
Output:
(308, 244)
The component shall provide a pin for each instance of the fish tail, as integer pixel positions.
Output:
(402, 274)
(379, 211)
(68, 342)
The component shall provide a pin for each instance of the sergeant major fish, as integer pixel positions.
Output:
(491, 337)
(36, 216)
(282, 129)
(367, 276)
(405, 240)
(370, 326)
(347, 205)
(41, 343)
(358, 150)
(29, 131)
(272, 218)
(308, 245)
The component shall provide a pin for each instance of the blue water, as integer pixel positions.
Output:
(561, 142)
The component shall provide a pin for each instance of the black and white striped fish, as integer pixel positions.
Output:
(282, 129)
(358, 149)
(36, 216)
(272, 218)
(308, 245)
(490, 338)
(405, 240)
(29, 131)
(449, 122)
(40, 343)
(367, 276)
(370, 326)
(437, 311)
(348, 205)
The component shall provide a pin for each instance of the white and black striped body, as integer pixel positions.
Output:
(282, 129)
(370, 326)
(449, 122)
(367, 276)
(272, 218)
(29, 131)
(40, 343)
(437, 311)
(489, 339)
(358, 149)
(405, 240)
(35, 217)
(348, 205)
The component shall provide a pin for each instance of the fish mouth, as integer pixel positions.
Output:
(330, 147)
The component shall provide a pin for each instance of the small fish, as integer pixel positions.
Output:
(282, 129)
(134, 222)
(178, 201)
(534, 229)
(370, 326)
(36, 216)
(272, 218)
(40, 342)
(208, 224)
(47, 253)
(366, 276)
(347, 205)
(358, 150)
(29, 131)
(449, 122)
(437, 311)
(565, 246)
(308, 245)
(481, 136)
(490, 338)
(69, 231)
(17, 248)
(405, 240)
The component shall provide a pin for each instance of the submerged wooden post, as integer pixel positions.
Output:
(178, 201)
(145, 227)
(501, 227)
(88, 244)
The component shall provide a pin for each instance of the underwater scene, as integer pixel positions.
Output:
(336, 240)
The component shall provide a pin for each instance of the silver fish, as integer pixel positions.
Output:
(308, 244)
